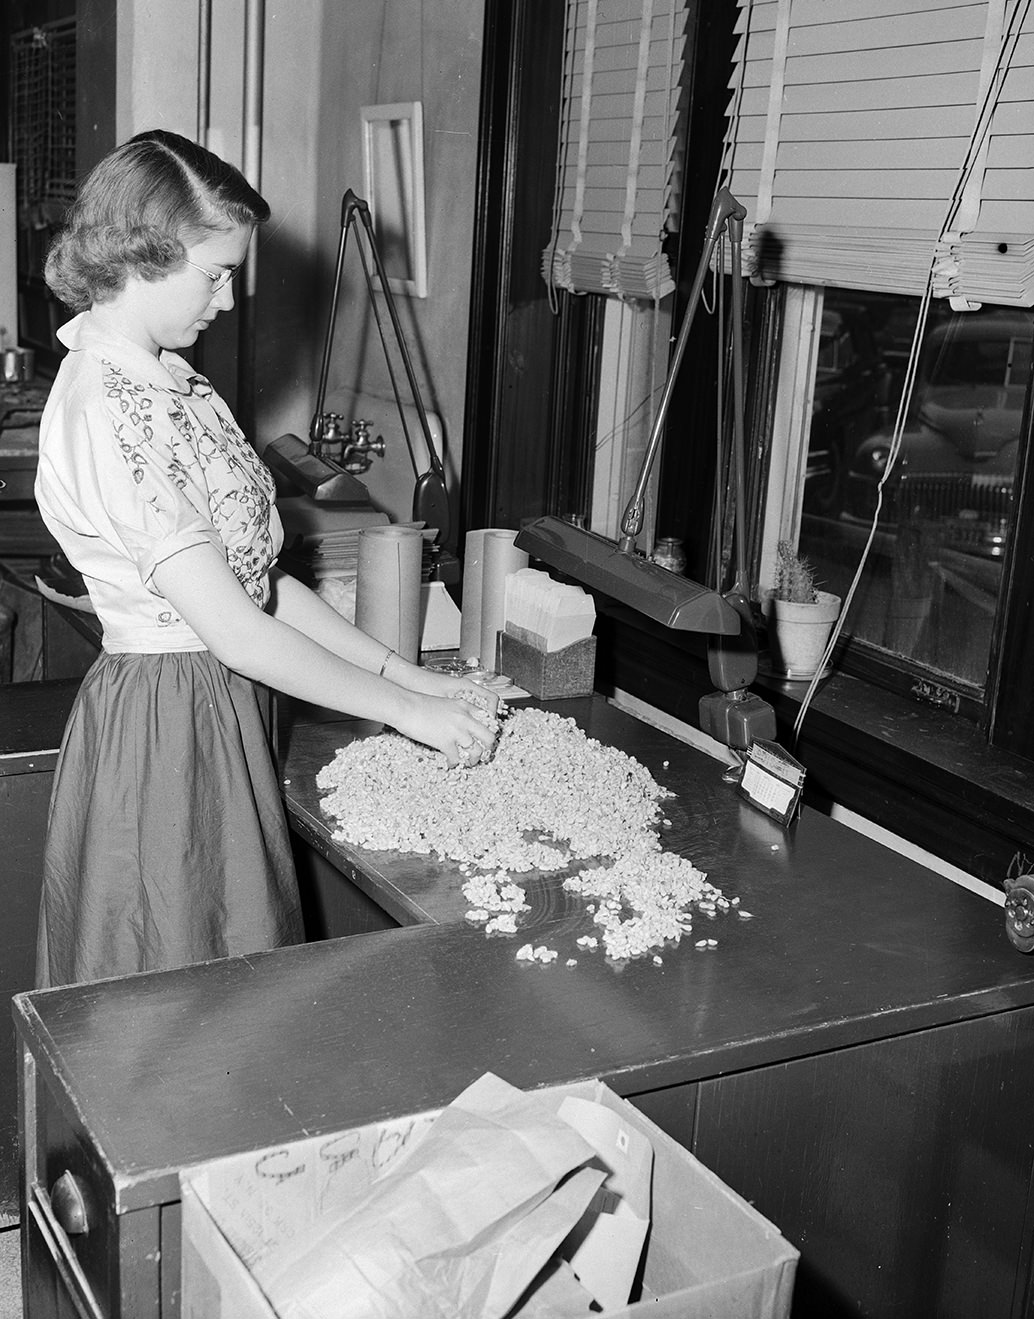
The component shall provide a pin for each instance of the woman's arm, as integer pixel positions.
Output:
(298, 607)
(202, 588)
(295, 604)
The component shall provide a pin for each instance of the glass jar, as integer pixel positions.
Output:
(668, 552)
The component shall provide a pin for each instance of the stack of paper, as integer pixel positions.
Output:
(324, 542)
(546, 613)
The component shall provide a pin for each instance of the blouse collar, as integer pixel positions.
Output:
(83, 333)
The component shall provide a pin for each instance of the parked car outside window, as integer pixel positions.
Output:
(958, 451)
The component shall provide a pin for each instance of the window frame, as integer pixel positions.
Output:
(1001, 710)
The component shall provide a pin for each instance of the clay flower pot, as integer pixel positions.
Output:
(800, 632)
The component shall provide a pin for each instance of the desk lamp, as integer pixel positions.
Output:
(306, 466)
(732, 714)
(430, 497)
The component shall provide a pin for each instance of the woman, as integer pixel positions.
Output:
(167, 842)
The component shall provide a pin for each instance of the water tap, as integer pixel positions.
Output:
(360, 447)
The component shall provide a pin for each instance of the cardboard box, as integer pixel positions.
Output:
(549, 674)
(708, 1252)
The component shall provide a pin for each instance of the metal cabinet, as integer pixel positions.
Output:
(901, 1167)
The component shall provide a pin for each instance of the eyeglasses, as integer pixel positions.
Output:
(219, 281)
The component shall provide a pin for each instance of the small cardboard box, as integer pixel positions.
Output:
(549, 674)
(708, 1252)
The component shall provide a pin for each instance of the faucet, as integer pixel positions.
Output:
(359, 447)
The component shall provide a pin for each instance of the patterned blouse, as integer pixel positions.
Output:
(139, 459)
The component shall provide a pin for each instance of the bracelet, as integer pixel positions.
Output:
(384, 663)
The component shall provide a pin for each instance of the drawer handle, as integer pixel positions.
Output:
(69, 1204)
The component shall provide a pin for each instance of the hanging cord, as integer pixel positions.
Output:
(655, 310)
(908, 386)
(655, 303)
(718, 496)
(980, 129)
(732, 124)
(563, 152)
(371, 289)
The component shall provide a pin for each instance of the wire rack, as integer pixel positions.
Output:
(43, 119)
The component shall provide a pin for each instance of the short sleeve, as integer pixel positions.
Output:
(139, 460)
(135, 490)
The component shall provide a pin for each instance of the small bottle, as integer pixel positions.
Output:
(668, 553)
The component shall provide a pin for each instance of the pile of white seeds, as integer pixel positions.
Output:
(646, 899)
(548, 797)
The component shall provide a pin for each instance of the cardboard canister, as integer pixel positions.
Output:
(387, 594)
(17, 365)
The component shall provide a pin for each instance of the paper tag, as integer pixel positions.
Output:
(772, 780)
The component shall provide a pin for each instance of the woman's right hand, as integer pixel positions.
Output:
(451, 725)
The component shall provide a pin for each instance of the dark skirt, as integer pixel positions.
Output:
(167, 842)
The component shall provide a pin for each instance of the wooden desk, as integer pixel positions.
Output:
(857, 1060)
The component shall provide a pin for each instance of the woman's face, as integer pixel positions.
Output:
(171, 312)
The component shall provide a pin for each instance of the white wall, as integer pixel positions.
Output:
(378, 53)
(156, 66)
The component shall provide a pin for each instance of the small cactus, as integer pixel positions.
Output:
(795, 576)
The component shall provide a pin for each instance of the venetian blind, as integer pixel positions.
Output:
(616, 165)
(876, 141)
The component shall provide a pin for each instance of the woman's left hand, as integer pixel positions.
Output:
(434, 683)
(467, 689)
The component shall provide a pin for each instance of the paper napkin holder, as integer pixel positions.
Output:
(548, 674)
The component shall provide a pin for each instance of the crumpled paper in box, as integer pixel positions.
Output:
(605, 1247)
(458, 1227)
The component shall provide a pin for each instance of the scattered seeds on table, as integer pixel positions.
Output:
(550, 798)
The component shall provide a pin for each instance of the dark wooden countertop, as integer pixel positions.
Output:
(849, 943)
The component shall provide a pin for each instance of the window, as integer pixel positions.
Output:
(949, 783)
(884, 162)
(930, 591)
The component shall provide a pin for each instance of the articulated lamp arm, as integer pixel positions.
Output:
(430, 500)
(725, 211)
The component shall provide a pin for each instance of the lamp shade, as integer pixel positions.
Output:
(599, 563)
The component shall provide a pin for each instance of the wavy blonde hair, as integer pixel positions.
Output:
(138, 210)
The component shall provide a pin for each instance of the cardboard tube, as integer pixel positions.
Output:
(500, 558)
(470, 603)
(387, 593)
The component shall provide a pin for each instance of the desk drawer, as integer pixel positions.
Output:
(107, 1263)
(57, 1284)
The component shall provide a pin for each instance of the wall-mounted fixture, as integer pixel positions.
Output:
(360, 447)
(430, 497)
